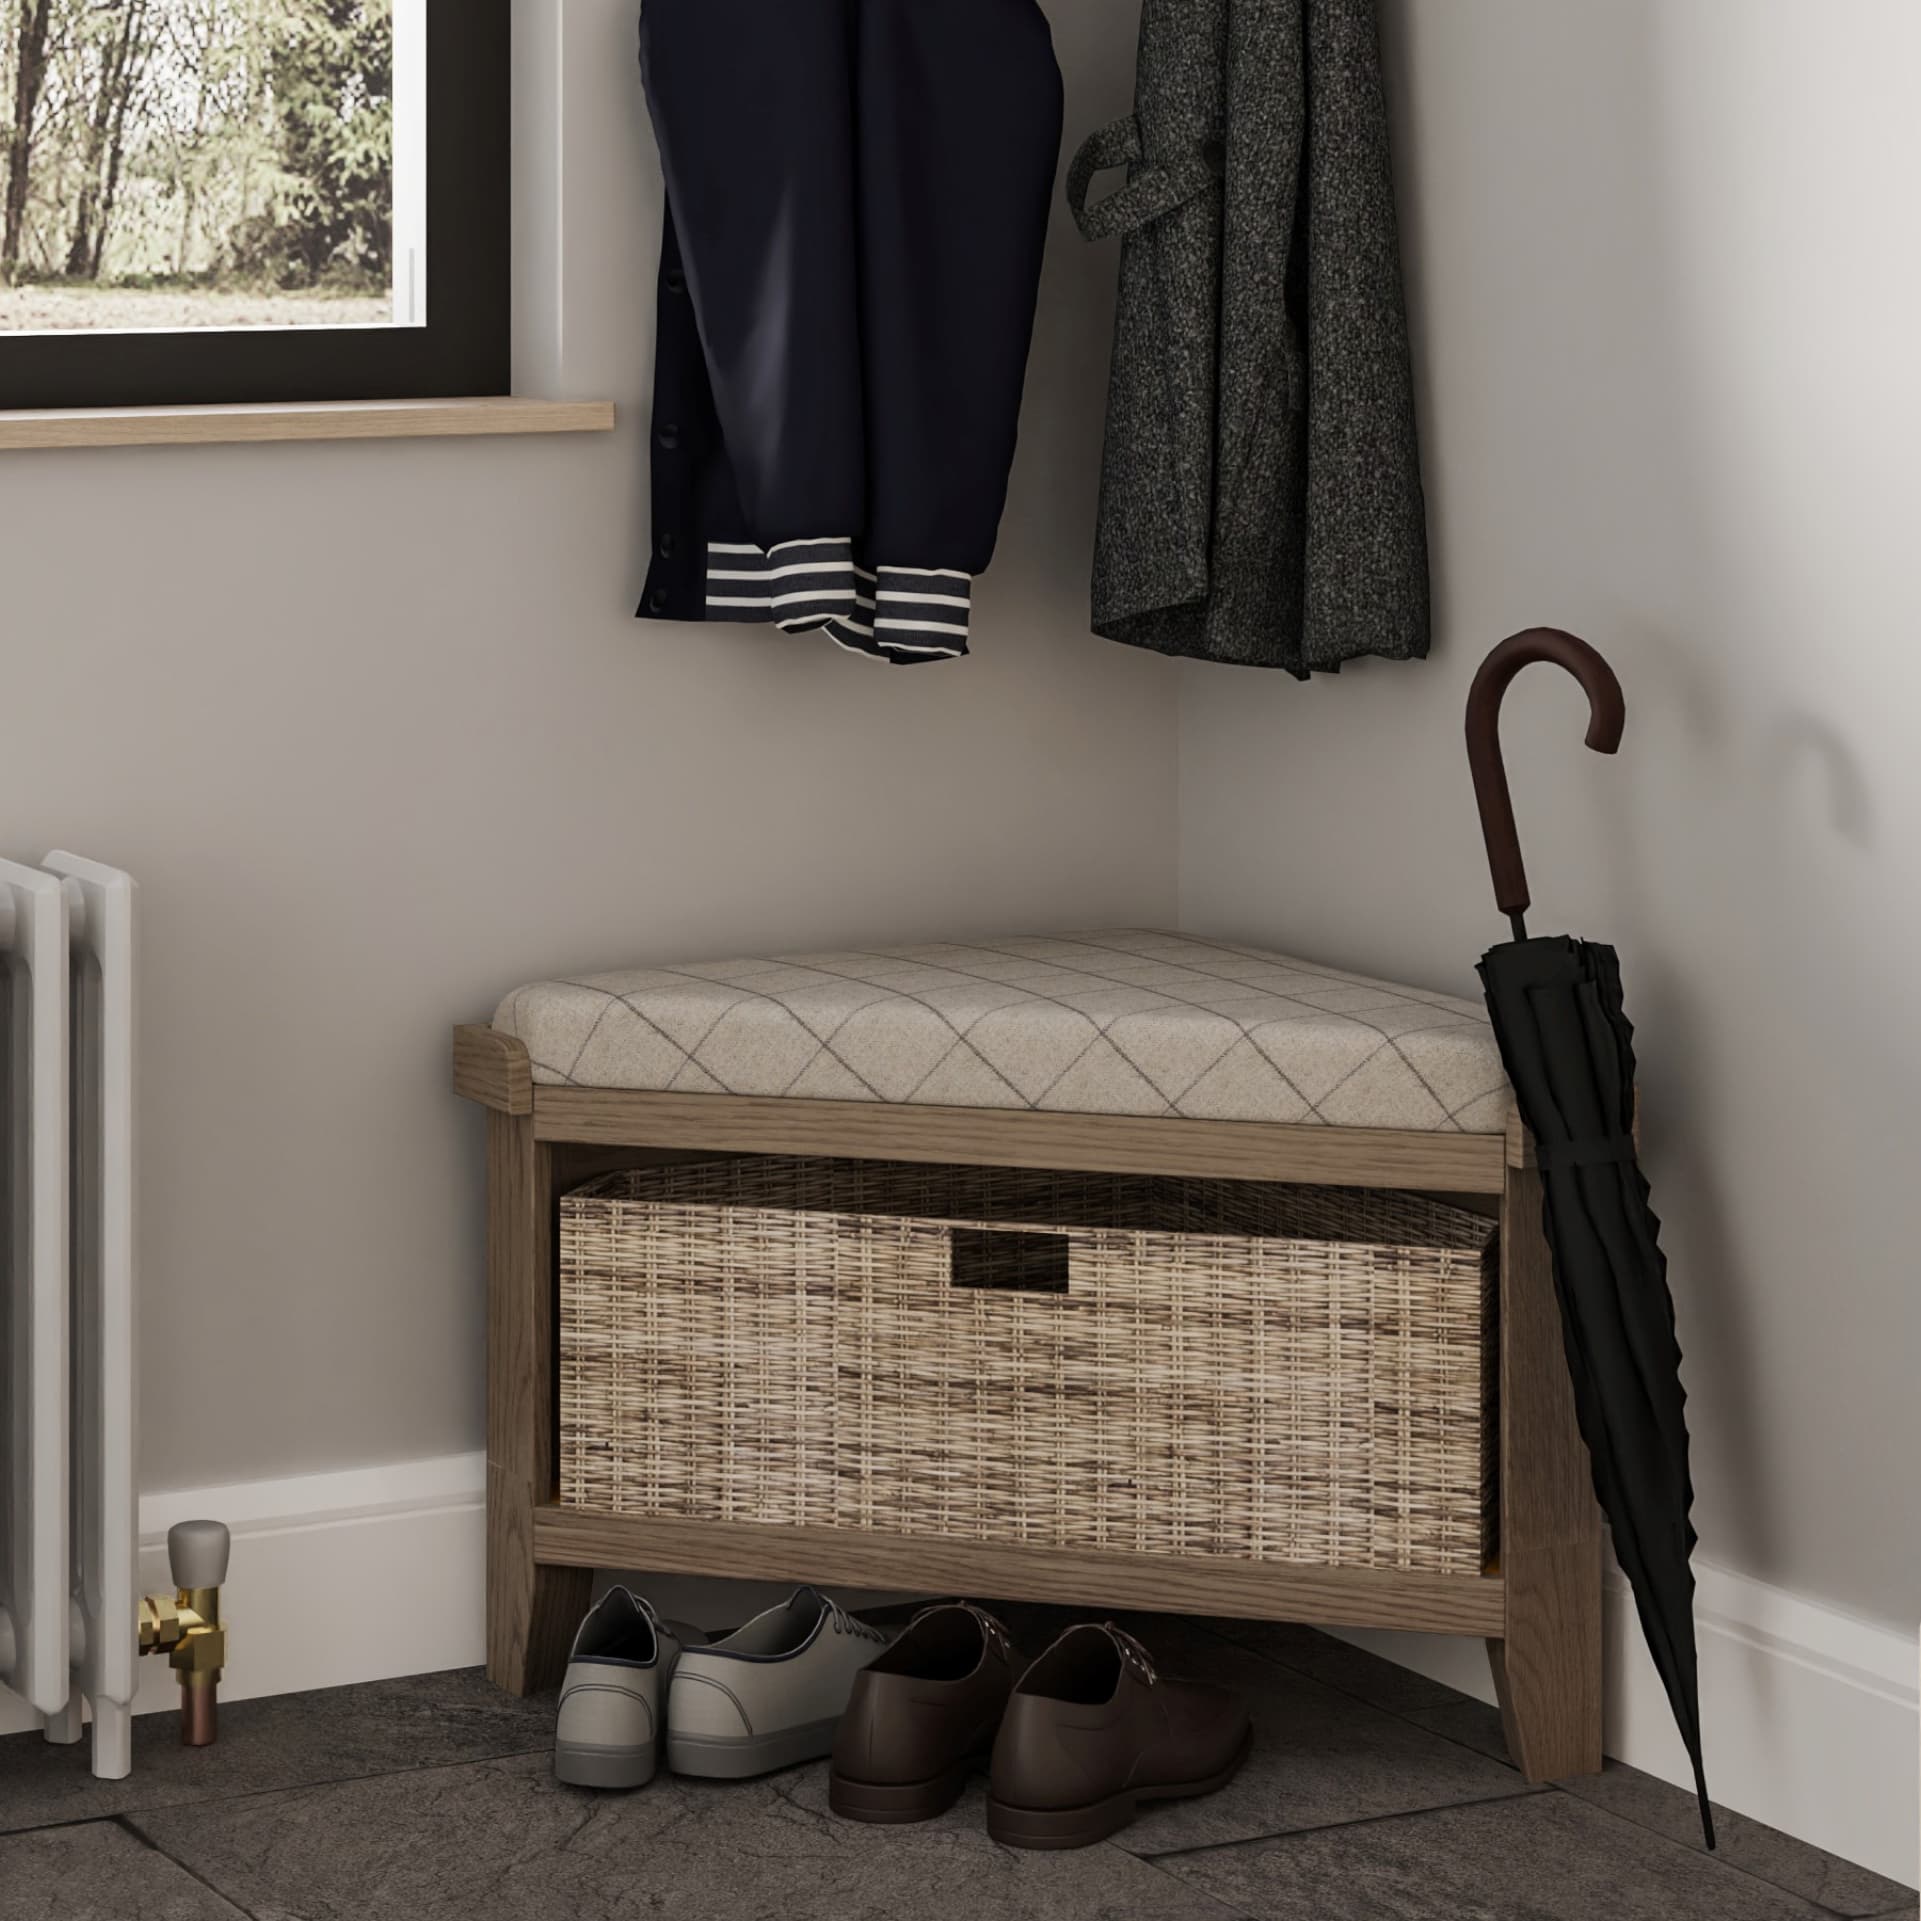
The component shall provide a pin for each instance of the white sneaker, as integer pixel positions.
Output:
(771, 1695)
(617, 1678)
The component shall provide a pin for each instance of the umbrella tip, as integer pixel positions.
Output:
(1707, 1806)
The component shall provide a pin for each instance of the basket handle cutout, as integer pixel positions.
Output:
(1010, 1263)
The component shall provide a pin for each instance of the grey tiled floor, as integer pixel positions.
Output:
(1371, 1793)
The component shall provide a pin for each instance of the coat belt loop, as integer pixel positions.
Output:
(1150, 191)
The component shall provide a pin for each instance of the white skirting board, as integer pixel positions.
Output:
(1812, 1716)
(409, 1538)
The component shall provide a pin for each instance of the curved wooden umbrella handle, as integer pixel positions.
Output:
(1607, 718)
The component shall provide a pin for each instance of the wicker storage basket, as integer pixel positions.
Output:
(1170, 1367)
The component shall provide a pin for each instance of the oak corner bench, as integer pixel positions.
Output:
(1536, 1604)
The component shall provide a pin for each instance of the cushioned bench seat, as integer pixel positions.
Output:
(1124, 1023)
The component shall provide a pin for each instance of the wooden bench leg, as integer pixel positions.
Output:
(1547, 1665)
(532, 1611)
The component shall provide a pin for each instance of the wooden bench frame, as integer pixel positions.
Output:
(1537, 1604)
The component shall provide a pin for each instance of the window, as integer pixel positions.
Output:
(208, 201)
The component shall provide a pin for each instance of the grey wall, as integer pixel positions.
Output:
(374, 727)
(1665, 264)
(376, 730)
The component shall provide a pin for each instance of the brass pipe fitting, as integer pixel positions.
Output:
(189, 1629)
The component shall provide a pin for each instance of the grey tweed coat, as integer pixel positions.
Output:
(1261, 501)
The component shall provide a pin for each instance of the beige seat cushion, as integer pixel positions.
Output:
(1129, 1023)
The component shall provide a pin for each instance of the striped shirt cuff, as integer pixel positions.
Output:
(901, 614)
(921, 613)
(796, 585)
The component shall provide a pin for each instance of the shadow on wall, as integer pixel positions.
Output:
(1612, 348)
(1802, 746)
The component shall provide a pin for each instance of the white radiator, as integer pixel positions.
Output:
(69, 1593)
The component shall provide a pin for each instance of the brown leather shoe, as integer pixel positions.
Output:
(1093, 1731)
(922, 1717)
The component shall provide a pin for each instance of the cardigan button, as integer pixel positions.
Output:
(676, 281)
(668, 546)
(657, 601)
(668, 438)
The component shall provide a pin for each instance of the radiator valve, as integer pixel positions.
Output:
(187, 1627)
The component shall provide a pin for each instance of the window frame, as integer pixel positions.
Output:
(465, 348)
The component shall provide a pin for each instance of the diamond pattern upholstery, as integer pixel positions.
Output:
(1115, 1023)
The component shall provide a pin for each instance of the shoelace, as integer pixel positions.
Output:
(1136, 1656)
(643, 1606)
(997, 1636)
(662, 1632)
(845, 1623)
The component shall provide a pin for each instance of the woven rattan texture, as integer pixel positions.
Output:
(1258, 1372)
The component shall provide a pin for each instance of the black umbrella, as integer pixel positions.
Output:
(1569, 1050)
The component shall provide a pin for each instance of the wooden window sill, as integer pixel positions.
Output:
(333, 420)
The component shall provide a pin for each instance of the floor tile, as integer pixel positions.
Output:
(432, 1798)
(1545, 1858)
(1836, 1885)
(330, 1735)
(502, 1841)
(1319, 1757)
(1472, 1723)
(1353, 1670)
(99, 1872)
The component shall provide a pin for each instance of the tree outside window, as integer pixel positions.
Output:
(168, 165)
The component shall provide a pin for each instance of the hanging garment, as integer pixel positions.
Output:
(1261, 501)
(858, 195)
